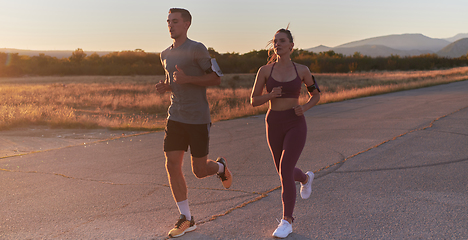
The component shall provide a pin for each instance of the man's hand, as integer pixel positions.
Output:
(179, 76)
(163, 87)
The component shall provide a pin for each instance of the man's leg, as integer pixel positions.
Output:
(204, 167)
(178, 185)
(174, 161)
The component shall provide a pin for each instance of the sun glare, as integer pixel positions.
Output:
(8, 60)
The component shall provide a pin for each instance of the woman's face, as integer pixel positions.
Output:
(281, 44)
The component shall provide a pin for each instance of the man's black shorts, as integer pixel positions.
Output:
(179, 136)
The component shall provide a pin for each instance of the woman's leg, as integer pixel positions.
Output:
(293, 145)
(275, 142)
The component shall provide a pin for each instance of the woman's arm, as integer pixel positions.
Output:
(256, 98)
(314, 96)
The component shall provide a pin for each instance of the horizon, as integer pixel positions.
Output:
(71, 50)
(98, 26)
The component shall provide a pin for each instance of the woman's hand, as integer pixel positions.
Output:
(276, 92)
(298, 110)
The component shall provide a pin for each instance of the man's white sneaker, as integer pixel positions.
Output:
(283, 229)
(306, 189)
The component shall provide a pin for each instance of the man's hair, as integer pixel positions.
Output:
(184, 12)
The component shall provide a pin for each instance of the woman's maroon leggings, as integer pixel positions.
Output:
(286, 135)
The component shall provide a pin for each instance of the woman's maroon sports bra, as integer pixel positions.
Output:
(290, 89)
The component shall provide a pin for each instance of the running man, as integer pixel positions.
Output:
(189, 70)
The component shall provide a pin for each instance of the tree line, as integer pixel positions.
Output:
(135, 62)
(139, 62)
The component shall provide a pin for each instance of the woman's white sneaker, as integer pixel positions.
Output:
(283, 229)
(306, 189)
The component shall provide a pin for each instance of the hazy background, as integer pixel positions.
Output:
(227, 26)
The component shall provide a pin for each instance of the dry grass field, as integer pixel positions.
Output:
(132, 102)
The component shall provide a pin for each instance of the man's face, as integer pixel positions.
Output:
(176, 25)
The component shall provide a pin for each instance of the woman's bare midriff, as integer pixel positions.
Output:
(282, 104)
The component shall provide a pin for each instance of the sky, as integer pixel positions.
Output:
(238, 26)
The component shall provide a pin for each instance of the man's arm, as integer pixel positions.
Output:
(211, 79)
(163, 87)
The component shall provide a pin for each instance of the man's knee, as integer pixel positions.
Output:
(174, 162)
(199, 167)
(172, 166)
(199, 171)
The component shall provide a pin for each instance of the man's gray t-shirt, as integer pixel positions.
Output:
(188, 101)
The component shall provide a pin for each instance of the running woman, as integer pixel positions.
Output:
(286, 127)
(189, 71)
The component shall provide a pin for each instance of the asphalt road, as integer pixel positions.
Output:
(392, 166)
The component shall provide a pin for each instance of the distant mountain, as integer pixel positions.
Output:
(320, 48)
(455, 49)
(402, 42)
(378, 51)
(52, 53)
(457, 37)
(397, 44)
